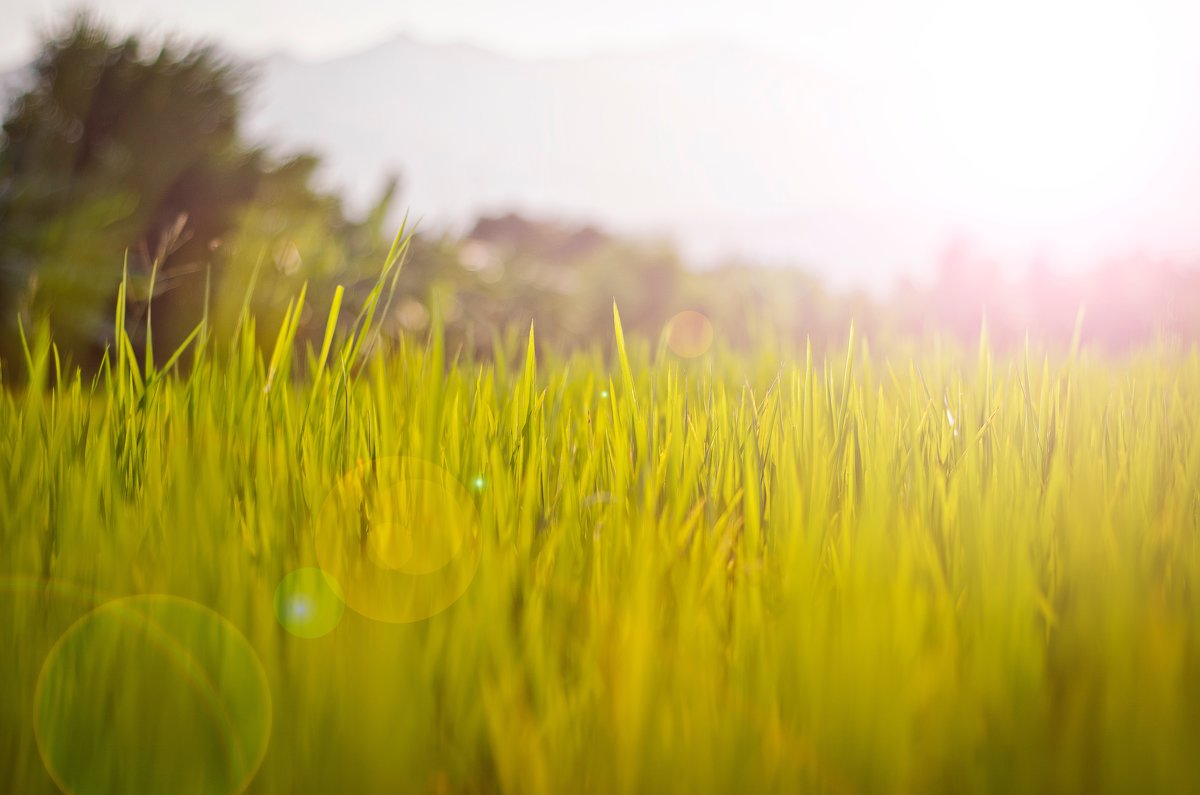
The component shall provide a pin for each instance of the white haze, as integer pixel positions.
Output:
(735, 152)
(858, 139)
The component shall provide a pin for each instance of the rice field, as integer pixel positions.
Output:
(374, 566)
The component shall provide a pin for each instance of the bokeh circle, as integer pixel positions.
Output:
(152, 693)
(401, 537)
(689, 334)
(309, 603)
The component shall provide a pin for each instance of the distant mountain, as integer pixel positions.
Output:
(728, 151)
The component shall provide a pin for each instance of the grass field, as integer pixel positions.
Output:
(355, 570)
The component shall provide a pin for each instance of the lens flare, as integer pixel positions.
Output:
(689, 334)
(185, 705)
(309, 603)
(401, 536)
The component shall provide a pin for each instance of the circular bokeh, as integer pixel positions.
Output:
(309, 603)
(401, 536)
(152, 694)
(689, 334)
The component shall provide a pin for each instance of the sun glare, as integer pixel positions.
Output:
(1039, 114)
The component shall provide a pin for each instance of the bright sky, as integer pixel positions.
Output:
(534, 28)
(856, 32)
(1017, 115)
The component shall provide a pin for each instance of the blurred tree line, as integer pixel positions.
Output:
(122, 157)
(510, 271)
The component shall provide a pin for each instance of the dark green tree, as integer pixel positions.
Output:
(122, 156)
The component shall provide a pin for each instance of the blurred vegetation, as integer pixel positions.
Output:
(122, 155)
(119, 155)
(510, 271)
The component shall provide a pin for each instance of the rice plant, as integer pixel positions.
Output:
(374, 566)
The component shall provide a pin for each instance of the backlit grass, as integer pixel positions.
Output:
(855, 573)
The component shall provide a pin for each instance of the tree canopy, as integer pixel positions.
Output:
(121, 156)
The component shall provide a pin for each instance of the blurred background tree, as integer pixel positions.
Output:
(120, 155)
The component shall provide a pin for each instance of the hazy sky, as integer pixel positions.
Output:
(320, 28)
(1024, 117)
(847, 32)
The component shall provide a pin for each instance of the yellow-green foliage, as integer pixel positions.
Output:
(904, 573)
